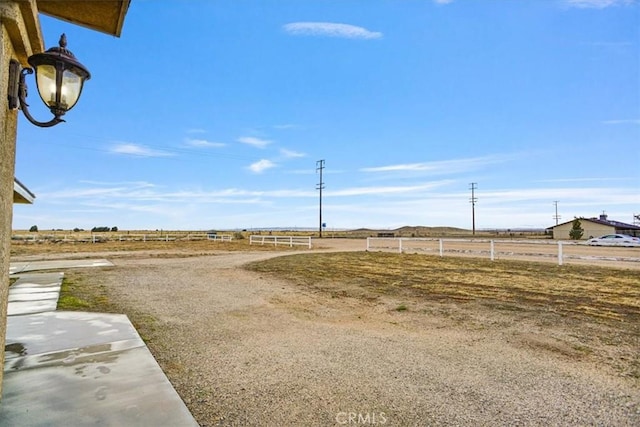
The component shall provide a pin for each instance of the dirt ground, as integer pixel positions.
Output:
(242, 348)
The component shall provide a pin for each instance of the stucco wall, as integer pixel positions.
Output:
(8, 121)
(19, 36)
(591, 229)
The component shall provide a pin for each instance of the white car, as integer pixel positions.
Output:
(615, 240)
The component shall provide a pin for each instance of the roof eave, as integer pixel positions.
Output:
(21, 194)
(106, 16)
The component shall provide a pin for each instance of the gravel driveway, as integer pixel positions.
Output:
(242, 349)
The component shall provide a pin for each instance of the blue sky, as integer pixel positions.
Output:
(213, 114)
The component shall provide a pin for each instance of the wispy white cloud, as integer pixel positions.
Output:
(290, 154)
(196, 130)
(386, 190)
(261, 166)
(144, 191)
(622, 122)
(330, 29)
(604, 196)
(135, 184)
(203, 143)
(138, 150)
(286, 126)
(255, 142)
(443, 166)
(597, 4)
(582, 179)
(443, 1)
(439, 202)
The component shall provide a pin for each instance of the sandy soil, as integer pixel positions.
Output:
(244, 349)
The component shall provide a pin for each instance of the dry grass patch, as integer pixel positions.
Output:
(571, 311)
(602, 293)
(77, 295)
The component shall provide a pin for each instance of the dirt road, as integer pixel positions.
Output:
(242, 349)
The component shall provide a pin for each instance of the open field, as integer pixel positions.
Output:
(122, 248)
(191, 243)
(408, 231)
(255, 336)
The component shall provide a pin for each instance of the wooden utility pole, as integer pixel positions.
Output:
(556, 216)
(473, 200)
(320, 187)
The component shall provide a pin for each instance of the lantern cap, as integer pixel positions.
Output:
(60, 54)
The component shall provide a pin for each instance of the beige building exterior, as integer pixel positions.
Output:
(594, 227)
(21, 37)
(591, 229)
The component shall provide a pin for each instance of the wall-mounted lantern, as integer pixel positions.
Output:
(59, 77)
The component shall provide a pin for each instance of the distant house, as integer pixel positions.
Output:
(594, 227)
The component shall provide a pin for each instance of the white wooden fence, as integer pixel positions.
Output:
(87, 237)
(281, 240)
(504, 249)
(220, 237)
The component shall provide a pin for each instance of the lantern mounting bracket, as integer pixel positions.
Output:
(18, 94)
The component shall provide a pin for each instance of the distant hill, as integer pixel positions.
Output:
(422, 229)
(410, 231)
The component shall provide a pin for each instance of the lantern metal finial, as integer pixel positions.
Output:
(61, 49)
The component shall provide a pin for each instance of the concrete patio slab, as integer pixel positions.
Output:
(73, 368)
(34, 296)
(34, 293)
(63, 330)
(31, 307)
(21, 267)
(40, 289)
(28, 280)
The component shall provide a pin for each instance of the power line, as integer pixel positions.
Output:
(320, 187)
(473, 200)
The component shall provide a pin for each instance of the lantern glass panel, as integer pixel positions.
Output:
(46, 80)
(71, 88)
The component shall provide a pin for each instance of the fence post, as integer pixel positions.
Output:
(309, 242)
(559, 253)
(400, 244)
(290, 241)
(368, 243)
(492, 251)
(441, 248)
